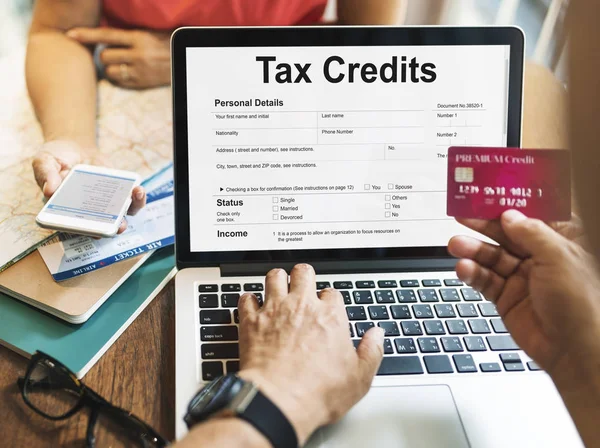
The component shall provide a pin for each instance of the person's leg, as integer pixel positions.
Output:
(545, 119)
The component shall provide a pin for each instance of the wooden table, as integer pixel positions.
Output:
(138, 371)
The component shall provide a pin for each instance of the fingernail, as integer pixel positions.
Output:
(381, 332)
(511, 216)
(139, 195)
(72, 34)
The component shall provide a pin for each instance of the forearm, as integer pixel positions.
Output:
(62, 85)
(361, 12)
(230, 432)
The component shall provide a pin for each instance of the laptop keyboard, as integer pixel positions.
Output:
(432, 326)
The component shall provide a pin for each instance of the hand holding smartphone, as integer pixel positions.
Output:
(91, 201)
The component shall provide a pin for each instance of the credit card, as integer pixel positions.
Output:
(484, 182)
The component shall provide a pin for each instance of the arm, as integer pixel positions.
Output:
(584, 85)
(60, 72)
(362, 12)
(224, 432)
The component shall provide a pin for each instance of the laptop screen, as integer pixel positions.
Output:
(334, 147)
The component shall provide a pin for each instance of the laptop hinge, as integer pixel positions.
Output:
(345, 267)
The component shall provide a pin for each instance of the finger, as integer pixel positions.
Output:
(47, 173)
(110, 56)
(531, 237)
(303, 280)
(276, 285)
(138, 200)
(331, 295)
(114, 73)
(480, 278)
(122, 226)
(109, 36)
(247, 306)
(370, 353)
(487, 255)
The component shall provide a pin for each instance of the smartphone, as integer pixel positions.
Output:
(91, 200)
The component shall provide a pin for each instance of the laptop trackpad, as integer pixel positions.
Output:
(399, 417)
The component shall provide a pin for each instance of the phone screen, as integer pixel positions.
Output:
(91, 196)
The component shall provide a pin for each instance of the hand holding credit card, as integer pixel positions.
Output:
(484, 182)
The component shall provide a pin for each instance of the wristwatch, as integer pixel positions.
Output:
(230, 395)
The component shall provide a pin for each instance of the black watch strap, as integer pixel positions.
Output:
(270, 421)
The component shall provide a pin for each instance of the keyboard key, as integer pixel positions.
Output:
(406, 295)
(208, 288)
(489, 367)
(498, 326)
(346, 296)
(470, 295)
(409, 283)
(434, 327)
(253, 287)
(431, 283)
(232, 366)
(499, 343)
(343, 285)
(230, 300)
(428, 345)
(514, 367)
(456, 326)
(411, 328)
(487, 309)
(387, 284)
(365, 284)
(428, 295)
(388, 349)
(400, 365)
(453, 282)
(215, 317)
(356, 342)
(422, 311)
(509, 357)
(438, 364)
(479, 326)
(219, 333)
(466, 310)
(378, 312)
(400, 312)
(390, 328)
(363, 327)
(449, 295)
(384, 296)
(236, 316)
(361, 297)
(231, 287)
(356, 313)
(351, 330)
(211, 370)
(259, 298)
(208, 300)
(464, 363)
(405, 345)
(220, 351)
(475, 343)
(451, 344)
(323, 285)
(532, 365)
(444, 310)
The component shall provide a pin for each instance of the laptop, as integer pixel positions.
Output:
(328, 145)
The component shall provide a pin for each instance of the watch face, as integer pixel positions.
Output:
(214, 397)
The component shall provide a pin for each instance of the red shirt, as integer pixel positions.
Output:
(171, 14)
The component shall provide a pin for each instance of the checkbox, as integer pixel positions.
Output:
(388, 214)
(390, 186)
(367, 187)
(275, 217)
(388, 197)
(275, 200)
(387, 206)
(275, 208)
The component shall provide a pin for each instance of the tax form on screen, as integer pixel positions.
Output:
(334, 147)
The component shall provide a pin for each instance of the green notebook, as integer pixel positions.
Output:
(25, 329)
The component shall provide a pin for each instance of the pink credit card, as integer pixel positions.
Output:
(484, 182)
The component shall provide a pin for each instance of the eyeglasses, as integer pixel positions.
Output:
(53, 391)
